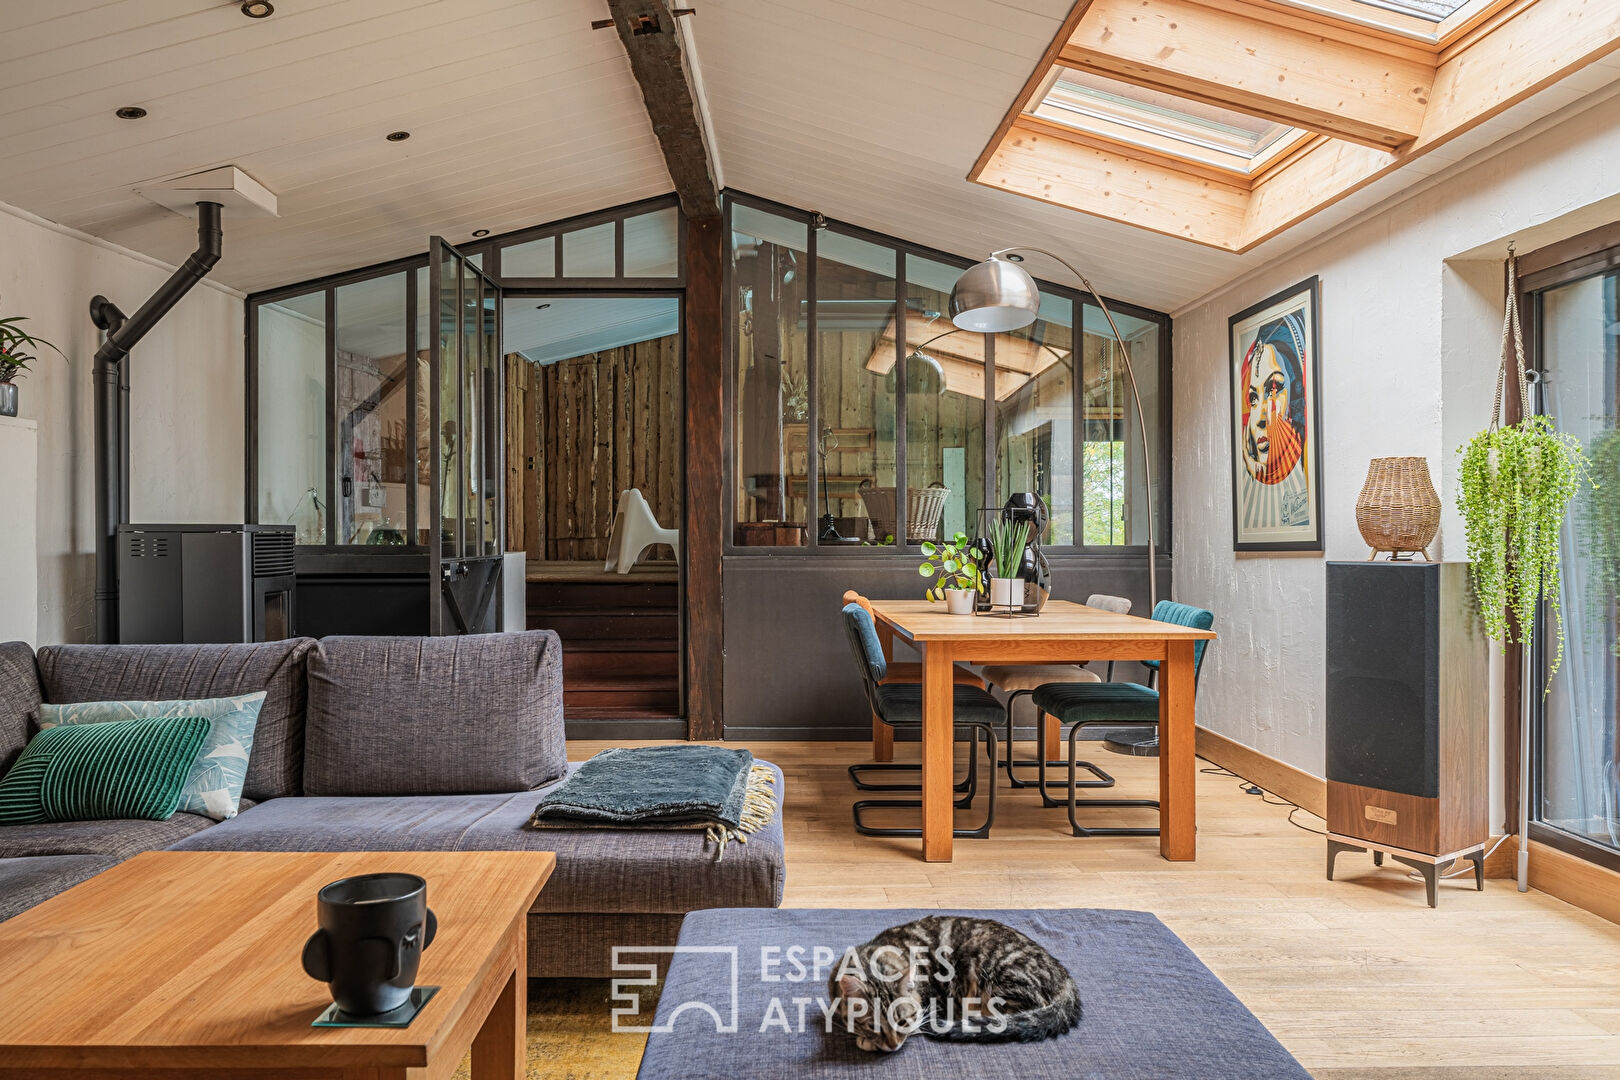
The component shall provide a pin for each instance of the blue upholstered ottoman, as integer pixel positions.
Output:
(1152, 1010)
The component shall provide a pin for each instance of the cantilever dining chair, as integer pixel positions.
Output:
(1088, 704)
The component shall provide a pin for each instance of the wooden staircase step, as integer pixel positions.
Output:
(597, 625)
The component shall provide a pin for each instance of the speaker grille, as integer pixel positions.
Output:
(272, 554)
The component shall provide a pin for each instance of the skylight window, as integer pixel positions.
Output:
(1429, 10)
(1165, 122)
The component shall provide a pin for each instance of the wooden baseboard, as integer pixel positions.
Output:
(1574, 880)
(1299, 787)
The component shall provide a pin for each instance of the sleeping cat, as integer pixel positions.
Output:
(955, 978)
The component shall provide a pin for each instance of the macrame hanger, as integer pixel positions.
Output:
(1512, 331)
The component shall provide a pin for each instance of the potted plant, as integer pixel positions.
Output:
(958, 578)
(16, 353)
(1008, 538)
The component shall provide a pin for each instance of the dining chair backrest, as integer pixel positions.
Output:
(1119, 605)
(861, 632)
(1184, 615)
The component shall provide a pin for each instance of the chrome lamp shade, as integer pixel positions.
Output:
(993, 297)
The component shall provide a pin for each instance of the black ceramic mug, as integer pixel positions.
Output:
(373, 929)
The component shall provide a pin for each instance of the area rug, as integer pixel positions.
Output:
(743, 998)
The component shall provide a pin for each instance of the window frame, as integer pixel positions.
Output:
(1078, 299)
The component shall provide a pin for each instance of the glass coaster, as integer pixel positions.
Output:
(393, 1018)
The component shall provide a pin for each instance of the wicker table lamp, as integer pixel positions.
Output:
(1398, 510)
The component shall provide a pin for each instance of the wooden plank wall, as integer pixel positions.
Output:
(592, 426)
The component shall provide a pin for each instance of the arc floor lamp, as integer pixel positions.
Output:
(997, 295)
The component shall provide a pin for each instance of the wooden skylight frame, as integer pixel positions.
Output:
(1369, 93)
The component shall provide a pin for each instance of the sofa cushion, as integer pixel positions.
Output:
(27, 882)
(71, 673)
(214, 785)
(119, 838)
(434, 716)
(19, 699)
(598, 870)
(97, 772)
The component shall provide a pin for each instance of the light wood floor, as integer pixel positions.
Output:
(1357, 977)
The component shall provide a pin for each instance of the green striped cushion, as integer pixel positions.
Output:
(91, 772)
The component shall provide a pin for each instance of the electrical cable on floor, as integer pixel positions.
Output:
(1249, 787)
(1463, 866)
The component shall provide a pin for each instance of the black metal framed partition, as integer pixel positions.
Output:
(803, 291)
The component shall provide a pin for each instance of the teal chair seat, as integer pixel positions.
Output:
(1099, 703)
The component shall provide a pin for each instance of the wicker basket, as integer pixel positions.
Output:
(1398, 510)
(924, 508)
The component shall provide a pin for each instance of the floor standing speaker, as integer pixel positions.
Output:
(1408, 716)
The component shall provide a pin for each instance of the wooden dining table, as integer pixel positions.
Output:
(1063, 632)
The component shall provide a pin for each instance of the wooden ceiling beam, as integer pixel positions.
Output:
(652, 41)
(1230, 58)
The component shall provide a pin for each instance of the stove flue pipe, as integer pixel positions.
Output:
(120, 334)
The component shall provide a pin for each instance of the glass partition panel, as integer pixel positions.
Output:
(375, 459)
(450, 418)
(854, 307)
(945, 394)
(494, 431)
(770, 285)
(588, 253)
(1034, 388)
(534, 259)
(425, 438)
(293, 481)
(1578, 781)
(602, 411)
(1114, 498)
(652, 244)
(472, 404)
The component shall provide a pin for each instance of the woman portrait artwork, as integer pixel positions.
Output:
(1276, 493)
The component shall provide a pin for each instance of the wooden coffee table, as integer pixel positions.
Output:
(184, 964)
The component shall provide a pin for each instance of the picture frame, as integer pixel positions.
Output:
(1274, 377)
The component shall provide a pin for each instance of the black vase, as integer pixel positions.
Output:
(1032, 566)
(373, 930)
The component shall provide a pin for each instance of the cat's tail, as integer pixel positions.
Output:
(1028, 1025)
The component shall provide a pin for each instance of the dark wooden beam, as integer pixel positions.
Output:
(703, 537)
(647, 29)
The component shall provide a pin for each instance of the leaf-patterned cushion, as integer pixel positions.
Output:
(213, 788)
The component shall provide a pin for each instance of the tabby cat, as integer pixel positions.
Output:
(955, 978)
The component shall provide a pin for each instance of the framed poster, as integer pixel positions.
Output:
(1276, 423)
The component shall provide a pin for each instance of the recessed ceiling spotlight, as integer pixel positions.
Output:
(480, 232)
(258, 9)
(541, 307)
(130, 112)
(1014, 257)
(398, 136)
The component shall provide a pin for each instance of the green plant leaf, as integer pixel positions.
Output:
(926, 569)
(929, 549)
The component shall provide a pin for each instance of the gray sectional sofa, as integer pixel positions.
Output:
(384, 744)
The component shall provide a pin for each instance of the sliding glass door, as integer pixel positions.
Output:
(1576, 802)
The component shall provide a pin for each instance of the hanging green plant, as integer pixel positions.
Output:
(1514, 488)
(1516, 484)
(1600, 524)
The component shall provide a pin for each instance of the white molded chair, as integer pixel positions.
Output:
(634, 531)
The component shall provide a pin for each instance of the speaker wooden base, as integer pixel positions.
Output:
(1430, 866)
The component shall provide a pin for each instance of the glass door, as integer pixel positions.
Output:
(1576, 801)
(466, 544)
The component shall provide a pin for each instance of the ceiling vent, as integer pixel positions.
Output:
(238, 194)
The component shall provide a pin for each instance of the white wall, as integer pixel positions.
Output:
(1411, 319)
(186, 440)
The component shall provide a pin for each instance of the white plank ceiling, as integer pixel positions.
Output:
(870, 111)
(519, 113)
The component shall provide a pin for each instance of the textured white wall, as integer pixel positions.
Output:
(1411, 318)
(186, 440)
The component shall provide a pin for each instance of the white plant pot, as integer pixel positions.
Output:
(1006, 592)
(959, 601)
